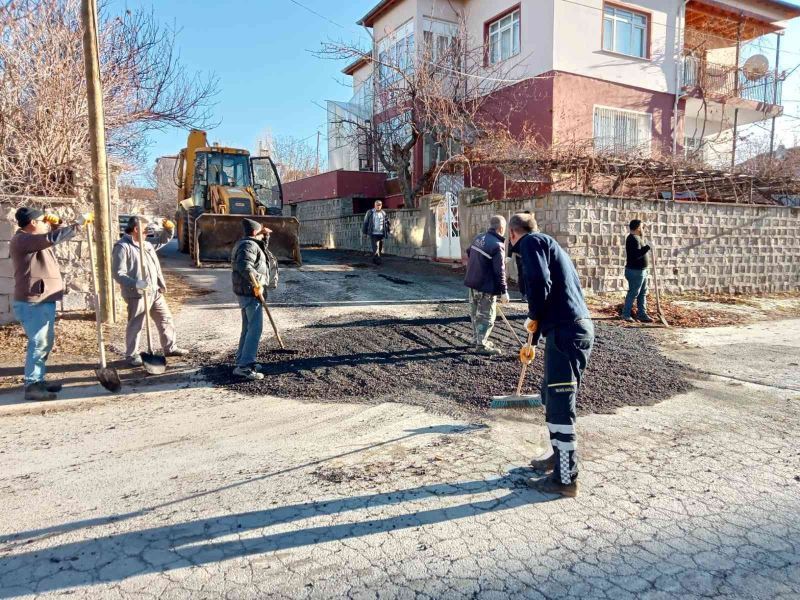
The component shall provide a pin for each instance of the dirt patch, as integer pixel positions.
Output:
(430, 362)
(76, 334)
(676, 314)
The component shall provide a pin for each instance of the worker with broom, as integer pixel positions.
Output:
(37, 287)
(125, 269)
(557, 311)
(251, 276)
(486, 280)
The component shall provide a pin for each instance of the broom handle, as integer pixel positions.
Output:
(514, 333)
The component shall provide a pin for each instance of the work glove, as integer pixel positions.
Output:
(257, 290)
(54, 220)
(85, 219)
(141, 284)
(531, 326)
(505, 298)
(168, 225)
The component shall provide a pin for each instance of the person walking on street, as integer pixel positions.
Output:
(637, 264)
(125, 268)
(376, 226)
(486, 280)
(557, 311)
(250, 258)
(37, 287)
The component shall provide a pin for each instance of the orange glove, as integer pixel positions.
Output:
(527, 354)
(52, 219)
(167, 224)
(531, 326)
(257, 290)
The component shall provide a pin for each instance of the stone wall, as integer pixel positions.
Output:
(73, 256)
(311, 210)
(413, 233)
(711, 247)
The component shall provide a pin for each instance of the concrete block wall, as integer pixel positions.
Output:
(319, 209)
(73, 256)
(712, 247)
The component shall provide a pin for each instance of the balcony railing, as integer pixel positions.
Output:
(727, 81)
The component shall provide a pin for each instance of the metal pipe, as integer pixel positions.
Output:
(775, 93)
(678, 72)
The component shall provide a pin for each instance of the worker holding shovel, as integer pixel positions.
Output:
(557, 311)
(125, 266)
(254, 270)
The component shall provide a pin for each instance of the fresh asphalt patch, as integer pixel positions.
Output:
(431, 362)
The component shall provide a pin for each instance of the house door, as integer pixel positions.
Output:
(448, 239)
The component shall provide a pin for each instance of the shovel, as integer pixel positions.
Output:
(107, 376)
(263, 302)
(154, 364)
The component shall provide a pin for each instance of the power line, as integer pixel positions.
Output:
(321, 16)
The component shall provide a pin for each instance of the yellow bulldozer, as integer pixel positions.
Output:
(217, 188)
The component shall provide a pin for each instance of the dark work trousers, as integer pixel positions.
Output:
(520, 276)
(377, 244)
(567, 350)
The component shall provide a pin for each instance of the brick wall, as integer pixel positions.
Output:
(710, 247)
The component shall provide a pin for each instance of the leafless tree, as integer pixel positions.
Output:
(294, 158)
(435, 91)
(43, 110)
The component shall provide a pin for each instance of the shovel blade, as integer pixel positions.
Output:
(109, 379)
(154, 364)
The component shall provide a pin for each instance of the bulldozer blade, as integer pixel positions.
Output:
(217, 234)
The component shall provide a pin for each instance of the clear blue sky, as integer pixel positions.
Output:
(261, 51)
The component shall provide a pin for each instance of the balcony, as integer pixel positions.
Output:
(723, 82)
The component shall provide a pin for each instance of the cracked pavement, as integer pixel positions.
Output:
(194, 492)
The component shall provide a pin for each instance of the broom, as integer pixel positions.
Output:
(526, 355)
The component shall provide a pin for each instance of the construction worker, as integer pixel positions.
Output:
(486, 280)
(37, 287)
(557, 311)
(125, 268)
(249, 260)
(376, 227)
(637, 263)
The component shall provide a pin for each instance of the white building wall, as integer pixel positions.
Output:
(578, 45)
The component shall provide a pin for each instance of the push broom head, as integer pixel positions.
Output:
(523, 401)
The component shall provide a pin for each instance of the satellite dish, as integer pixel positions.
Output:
(756, 67)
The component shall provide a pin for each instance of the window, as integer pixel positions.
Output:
(396, 54)
(504, 37)
(620, 131)
(624, 31)
(692, 147)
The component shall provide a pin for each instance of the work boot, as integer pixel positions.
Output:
(544, 465)
(645, 319)
(627, 319)
(548, 485)
(257, 367)
(53, 387)
(488, 350)
(248, 373)
(134, 361)
(37, 391)
(176, 351)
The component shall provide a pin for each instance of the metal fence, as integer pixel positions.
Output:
(728, 81)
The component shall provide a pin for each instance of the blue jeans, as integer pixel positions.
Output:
(637, 290)
(38, 319)
(252, 326)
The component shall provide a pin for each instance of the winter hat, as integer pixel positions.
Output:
(250, 227)
(25, 215)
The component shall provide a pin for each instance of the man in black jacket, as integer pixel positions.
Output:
(557, 311)
(636, 272)
(249, 258)
(486, 280)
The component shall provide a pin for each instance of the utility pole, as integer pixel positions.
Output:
(97, 142)
(775, 88)
(316, 166)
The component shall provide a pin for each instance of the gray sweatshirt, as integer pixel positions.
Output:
(125, 265)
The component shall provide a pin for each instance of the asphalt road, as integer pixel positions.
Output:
(179, 490)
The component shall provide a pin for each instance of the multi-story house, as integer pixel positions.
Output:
(652, 77)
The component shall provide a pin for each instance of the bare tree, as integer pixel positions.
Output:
(434, 91)
(43, 111)
(294, 158)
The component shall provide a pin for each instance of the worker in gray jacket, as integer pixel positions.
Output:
(125, 268)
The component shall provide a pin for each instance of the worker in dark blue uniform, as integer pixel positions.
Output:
(557, 311)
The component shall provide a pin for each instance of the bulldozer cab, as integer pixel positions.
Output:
(221, 169)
